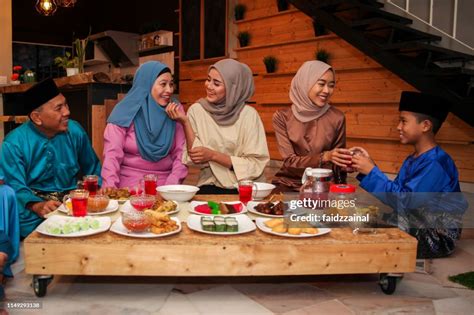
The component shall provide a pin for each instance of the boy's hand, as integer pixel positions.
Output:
(363, 164)
(359, 150)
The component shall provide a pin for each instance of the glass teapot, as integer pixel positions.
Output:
(316, 182)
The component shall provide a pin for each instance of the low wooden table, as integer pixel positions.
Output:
(190, 253)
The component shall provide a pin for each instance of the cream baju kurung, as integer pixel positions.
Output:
(244, 142)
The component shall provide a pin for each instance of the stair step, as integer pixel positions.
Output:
(323, 4)
(439, 53)
(409, 33)
(450, 72)
(370, 11)
(372, 21)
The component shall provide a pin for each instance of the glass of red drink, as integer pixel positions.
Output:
(142, 202)
(91, 184)
(150, 182)
(79, 199)
(245, 190)
(136, 190)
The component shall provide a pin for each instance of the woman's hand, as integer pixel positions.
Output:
(175, 113)
(339, 156)
(200, 155)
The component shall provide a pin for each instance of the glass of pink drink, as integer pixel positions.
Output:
(150, 182)
(79, 199)
(91, 184)
(245, 190)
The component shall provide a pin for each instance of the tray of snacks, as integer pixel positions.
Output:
(162, 206)
(119, 194)
(217, 208)
(146, 224)
(61, 226)
(269, 209)
(279, 226)
(221, 225)
(96, 205)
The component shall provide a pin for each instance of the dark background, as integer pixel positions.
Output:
(128, 16)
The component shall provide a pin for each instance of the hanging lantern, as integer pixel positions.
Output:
(46, 7)
(66, 3)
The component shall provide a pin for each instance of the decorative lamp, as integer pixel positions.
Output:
(46, 7)
(66, 3)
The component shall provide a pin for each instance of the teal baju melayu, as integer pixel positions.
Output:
(31, 162)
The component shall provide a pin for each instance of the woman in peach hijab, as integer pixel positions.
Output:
(311, 133)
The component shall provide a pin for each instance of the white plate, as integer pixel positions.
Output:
(119, 228)
(245, 225)
(194, 204)
(261, 226)
(60, 219)
(111, 207)
(251, 207)
(128, 206)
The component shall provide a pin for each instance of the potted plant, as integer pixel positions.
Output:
(270, 63)
(282, 5)
(68, 63)
(244, 38)
(239, 11)
(79, 46)
(319, 29)
(323, 55)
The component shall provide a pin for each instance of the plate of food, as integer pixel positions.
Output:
(278, 226)
(161, 206)
(212, 208)
(95, 206)
(119, 194)
(220, 225)
(152, 225)
(269, 209)
(61, 226)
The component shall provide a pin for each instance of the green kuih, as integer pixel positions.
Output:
(220, 224)
(208, 226)
(232, 225)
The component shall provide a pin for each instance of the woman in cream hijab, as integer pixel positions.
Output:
(224, 136)
(311, 133)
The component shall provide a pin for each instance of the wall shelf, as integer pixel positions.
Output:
(155, 50)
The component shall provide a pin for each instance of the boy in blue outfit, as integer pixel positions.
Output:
(428, 170)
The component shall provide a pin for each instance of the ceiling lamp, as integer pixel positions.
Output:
(46, 7)
(66, 3)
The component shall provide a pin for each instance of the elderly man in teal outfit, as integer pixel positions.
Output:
(43, 158)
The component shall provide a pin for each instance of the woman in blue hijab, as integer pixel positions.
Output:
(140, 138)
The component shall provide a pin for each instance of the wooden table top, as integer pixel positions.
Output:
(186, 236)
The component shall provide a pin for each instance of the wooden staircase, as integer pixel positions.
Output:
(411, 54)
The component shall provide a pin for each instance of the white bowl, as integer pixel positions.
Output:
(177, 192)
(263, 190)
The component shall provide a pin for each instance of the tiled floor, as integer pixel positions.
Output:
(350, 294)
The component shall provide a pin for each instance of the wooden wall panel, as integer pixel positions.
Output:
(367, 93)
(294, 25)
(291, 56)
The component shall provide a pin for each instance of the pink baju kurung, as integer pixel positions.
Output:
(123, 165)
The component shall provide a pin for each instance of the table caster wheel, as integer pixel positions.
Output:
(388, 284)
(40, 285)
